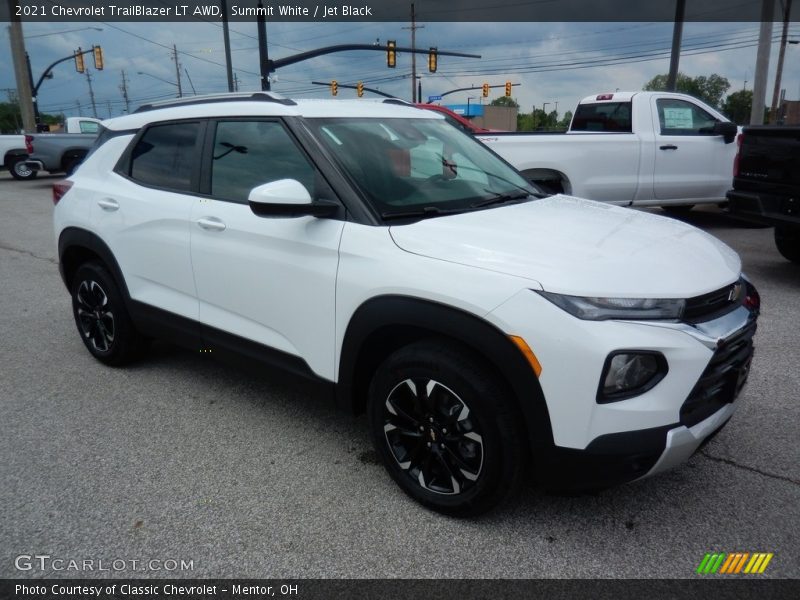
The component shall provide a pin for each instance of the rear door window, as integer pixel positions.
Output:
(165, 156)
(609, 117)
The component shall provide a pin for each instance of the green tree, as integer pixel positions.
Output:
(565, 120)
(737, 106)
(504, 101)
(10, 118)
(538, 121)
(709, 89)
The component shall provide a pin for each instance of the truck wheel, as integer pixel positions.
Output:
(19, 170)
(677, 210)
(446, 428)
(788, 242)
(102, 319)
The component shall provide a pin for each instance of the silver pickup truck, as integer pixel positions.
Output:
(61, 152)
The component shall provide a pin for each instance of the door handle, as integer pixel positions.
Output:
(669, 147)
(211, 224)
(108, 204)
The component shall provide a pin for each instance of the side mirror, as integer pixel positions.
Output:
(287, 198)
(727, 130)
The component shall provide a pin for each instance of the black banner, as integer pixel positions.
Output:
(31, 11)
(396, 589)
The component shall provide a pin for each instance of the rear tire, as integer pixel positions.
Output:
(787, 241)
(103, 322)
(20, 171)
(447, 429)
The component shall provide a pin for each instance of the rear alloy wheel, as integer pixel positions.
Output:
(445, 428)
(101, 317)
(787, 241)
(19, 170)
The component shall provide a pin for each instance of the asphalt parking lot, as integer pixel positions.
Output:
(182, 458)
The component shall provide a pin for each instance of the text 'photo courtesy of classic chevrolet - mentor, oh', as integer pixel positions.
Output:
(491, 333)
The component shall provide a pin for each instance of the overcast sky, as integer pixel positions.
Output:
(553, 62)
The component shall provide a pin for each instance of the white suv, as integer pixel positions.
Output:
(420, 278)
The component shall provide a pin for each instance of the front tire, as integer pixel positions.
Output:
(446, 428)
(19, 170)
(101, 317)
(787, 240)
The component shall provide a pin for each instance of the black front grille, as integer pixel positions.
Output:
(714, 304)
(722, 379)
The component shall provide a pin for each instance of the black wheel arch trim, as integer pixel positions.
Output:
(72, 238)
(424, 318)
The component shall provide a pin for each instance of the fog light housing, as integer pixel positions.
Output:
(629, 373)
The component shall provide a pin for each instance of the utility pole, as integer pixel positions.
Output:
(762, 63)
(108, 106)
(177, 69)
(773, 111)
(413, 29)
(235, 82)
(677, 34)
(226, 37)
(263, 51)
(91, 93)
(124, 89)
(24, 88)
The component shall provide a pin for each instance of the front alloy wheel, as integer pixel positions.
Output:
(449, 432)
(431, 436)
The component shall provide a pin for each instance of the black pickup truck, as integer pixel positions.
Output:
(766, 183)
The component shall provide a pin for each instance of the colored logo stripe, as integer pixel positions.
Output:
(735, 562)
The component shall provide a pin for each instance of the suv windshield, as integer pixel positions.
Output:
(419, 167)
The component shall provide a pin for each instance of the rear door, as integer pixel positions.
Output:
(143, 215)
(691, 162)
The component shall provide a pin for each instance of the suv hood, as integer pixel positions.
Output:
(573, 246)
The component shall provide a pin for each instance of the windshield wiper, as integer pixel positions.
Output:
(501, 198)
(424, 212)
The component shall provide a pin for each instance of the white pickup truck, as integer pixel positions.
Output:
(630, 148)
(14, 149)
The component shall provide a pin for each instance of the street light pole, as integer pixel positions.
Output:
(773, 111)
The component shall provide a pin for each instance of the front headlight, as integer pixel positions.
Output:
(600, 309)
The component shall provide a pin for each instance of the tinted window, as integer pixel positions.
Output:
(612, 117)
(164, 156)
(250, 153)
(678, 117)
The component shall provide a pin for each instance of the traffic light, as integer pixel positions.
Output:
(391, 54)
(360, 89)
(98, 57)
(508, 88)
(79, 66)
(485, 90)
(432, 60)
(334, 87)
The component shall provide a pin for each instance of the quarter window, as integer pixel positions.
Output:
(164, 156)
(250, 153)
(678, 117)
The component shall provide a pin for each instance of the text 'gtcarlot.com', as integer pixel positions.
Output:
(46, 562)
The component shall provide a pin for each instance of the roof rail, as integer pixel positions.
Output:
(399, 101)
(213, 98)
